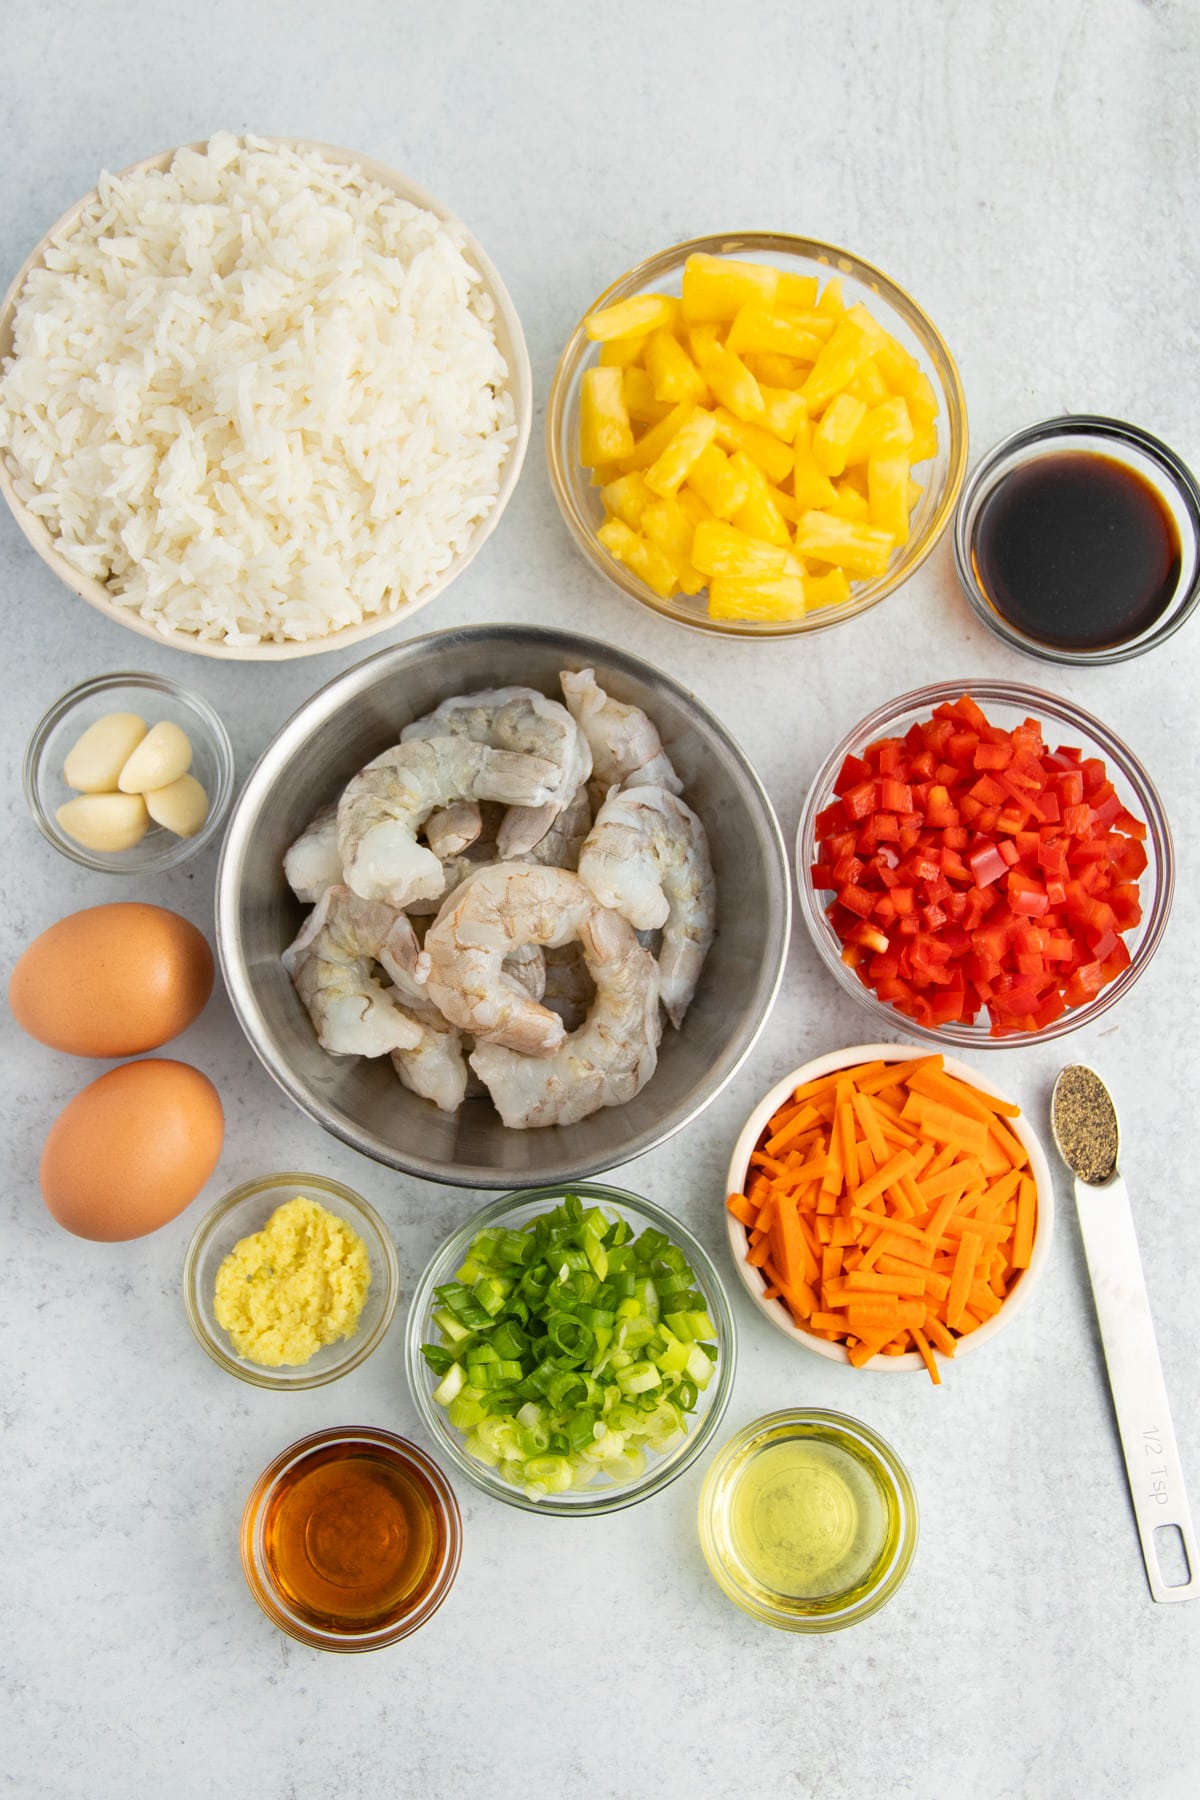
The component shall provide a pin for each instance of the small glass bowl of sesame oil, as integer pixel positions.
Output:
(808, 1520)
(351, 1539)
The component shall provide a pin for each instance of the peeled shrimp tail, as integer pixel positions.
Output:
(525, 828)
(453, 829)
(626, 748)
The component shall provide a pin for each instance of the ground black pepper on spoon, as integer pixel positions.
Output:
(1084, 1121)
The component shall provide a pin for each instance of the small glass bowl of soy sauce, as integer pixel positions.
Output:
(1078, 540)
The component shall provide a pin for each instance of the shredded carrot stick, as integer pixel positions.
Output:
(890, 1208)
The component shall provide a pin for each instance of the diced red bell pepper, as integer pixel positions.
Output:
(971, 867)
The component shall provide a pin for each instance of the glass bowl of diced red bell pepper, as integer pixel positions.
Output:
(983, 862)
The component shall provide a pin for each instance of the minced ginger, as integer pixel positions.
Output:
(296, 1285)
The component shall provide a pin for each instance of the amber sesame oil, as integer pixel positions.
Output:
(808, 1520)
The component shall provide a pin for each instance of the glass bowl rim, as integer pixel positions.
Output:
(60, 710)
(816, 250)
(380, 1243)
(590, 1502)
(992, 469)
(899, 1479)
(777, 1314)
(263, 1590)
(876, 724)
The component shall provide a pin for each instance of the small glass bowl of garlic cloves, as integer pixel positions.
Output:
(129, 773)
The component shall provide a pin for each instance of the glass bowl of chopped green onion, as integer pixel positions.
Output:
(571, 1350)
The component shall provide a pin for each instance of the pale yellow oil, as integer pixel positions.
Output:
(808, 1520)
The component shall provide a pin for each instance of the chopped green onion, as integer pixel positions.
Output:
(569, 1348)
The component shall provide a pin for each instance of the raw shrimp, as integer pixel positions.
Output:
(314, 862)
(608, 1060)
(561, 844)
(647, 857)
(435, 1068)
(626, 748)
(331, 966)
(385, 805)
(525, 828)
(454, 828)
(497, 910)
(516, 718)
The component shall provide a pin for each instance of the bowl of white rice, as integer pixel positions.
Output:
(260, 398)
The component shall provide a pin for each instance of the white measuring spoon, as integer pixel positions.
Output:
(1127, 1334)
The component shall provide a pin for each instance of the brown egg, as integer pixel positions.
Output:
(112, 981)
(129, 1153)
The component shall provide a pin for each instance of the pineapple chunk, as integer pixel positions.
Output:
(766, 600)
(810, 484)
(869, 385)
(784, 411)
(640, 401)
(922, 402)
(715, 287)
(887, 488)
(833, 436)
(848, 503)
(758, 516)
(693, 437)
(671, 369)
(832, 300)
(774, 458)
(716, 483)
(623, 353)
(652, 443)
(720, 549)
(643, 559)
(796, 290)
(858, 549)
(839, 362)
(634, 317)
(666, 524)
(757, 329)
(770, 370)
(900, 370)
(830, 589)
(627, 497)
(727, 375)
(605, 434)
(884, 429)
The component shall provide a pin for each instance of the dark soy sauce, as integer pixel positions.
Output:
(1076, 550)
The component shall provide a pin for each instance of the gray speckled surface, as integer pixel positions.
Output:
(1028, 171)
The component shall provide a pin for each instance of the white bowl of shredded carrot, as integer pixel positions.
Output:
(888, 1208)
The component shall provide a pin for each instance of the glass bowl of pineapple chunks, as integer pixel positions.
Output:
(756, 434)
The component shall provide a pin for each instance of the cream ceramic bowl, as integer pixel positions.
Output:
(509, 337)
(753, 1280)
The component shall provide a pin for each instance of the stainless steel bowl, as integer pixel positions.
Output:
(353, 719)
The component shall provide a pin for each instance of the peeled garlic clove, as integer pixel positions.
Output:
(105, 821)
(181, 806)
(94, 764)
(163, 755)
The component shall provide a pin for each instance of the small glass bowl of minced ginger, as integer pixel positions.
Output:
(291, 1281)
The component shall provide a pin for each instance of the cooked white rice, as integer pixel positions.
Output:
(257, 395)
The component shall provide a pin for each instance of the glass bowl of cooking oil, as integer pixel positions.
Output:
(808, 1520)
